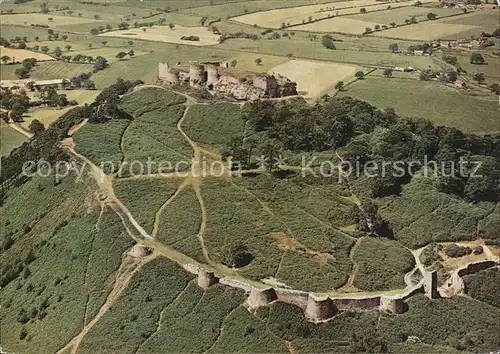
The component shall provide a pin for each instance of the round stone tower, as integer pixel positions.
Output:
(392, 305)
(212, 74)
(205, 279)
(261, 297)
(319, 309)
(196, 74)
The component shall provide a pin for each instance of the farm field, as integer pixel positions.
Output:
(431, 30)
(18, 55)
(9, 139)
(338, 24)
(165, 34)
(399, 15)
(48, 70)
(314, 78)
(426, 99)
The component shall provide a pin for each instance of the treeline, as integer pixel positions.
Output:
(362, 133)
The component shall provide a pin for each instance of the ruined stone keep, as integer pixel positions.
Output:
(226, 82)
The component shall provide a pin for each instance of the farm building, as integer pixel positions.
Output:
(227, 82)
(56, 83)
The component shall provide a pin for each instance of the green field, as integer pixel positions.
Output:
(430, 100)
(10, 139)
(399, 15)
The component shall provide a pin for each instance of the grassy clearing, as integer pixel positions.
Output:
(490, 69)
(180, 223)
(149, 99)
(315, 254)
(315, 78)
(9, 139)
(446, 322)
(108, 53)
(421, 215)
(144, 197)
(382, 264)
(101, 143)
(214, 124)
(431, 100)
(234, 217)
(153, 134)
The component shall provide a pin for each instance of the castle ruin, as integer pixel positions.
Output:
(226, 82)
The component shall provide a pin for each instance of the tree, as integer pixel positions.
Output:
(495, 88)
(23, 333)
(79, 14)
(339, 86)
(121, 55)
(171, 26)
(431, 16)
(328, 42)
(97, 17)
(393, 24)
(108, 27)
(368, 30)
(57, 52)
(123, 26)
(359, 75)
(131, 53)
(393, 47)
(236, 255)
(479, 77)
(476, 58)
(94, 31)
(64, 37)
(37, 39)
(5, 59)
(67, 47)
(362, 10)
(50, 19)
(418, 3)
(258, 61)
(70, 12)
(44, 8)
(161, 21)
(450, 59)
(22, 45)
(130, 43)
(203, 20)
(100, 63)
(17, 111)
(22, 73)
(233, 63)
(36, 127)
(377, 27)
(387, 72)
